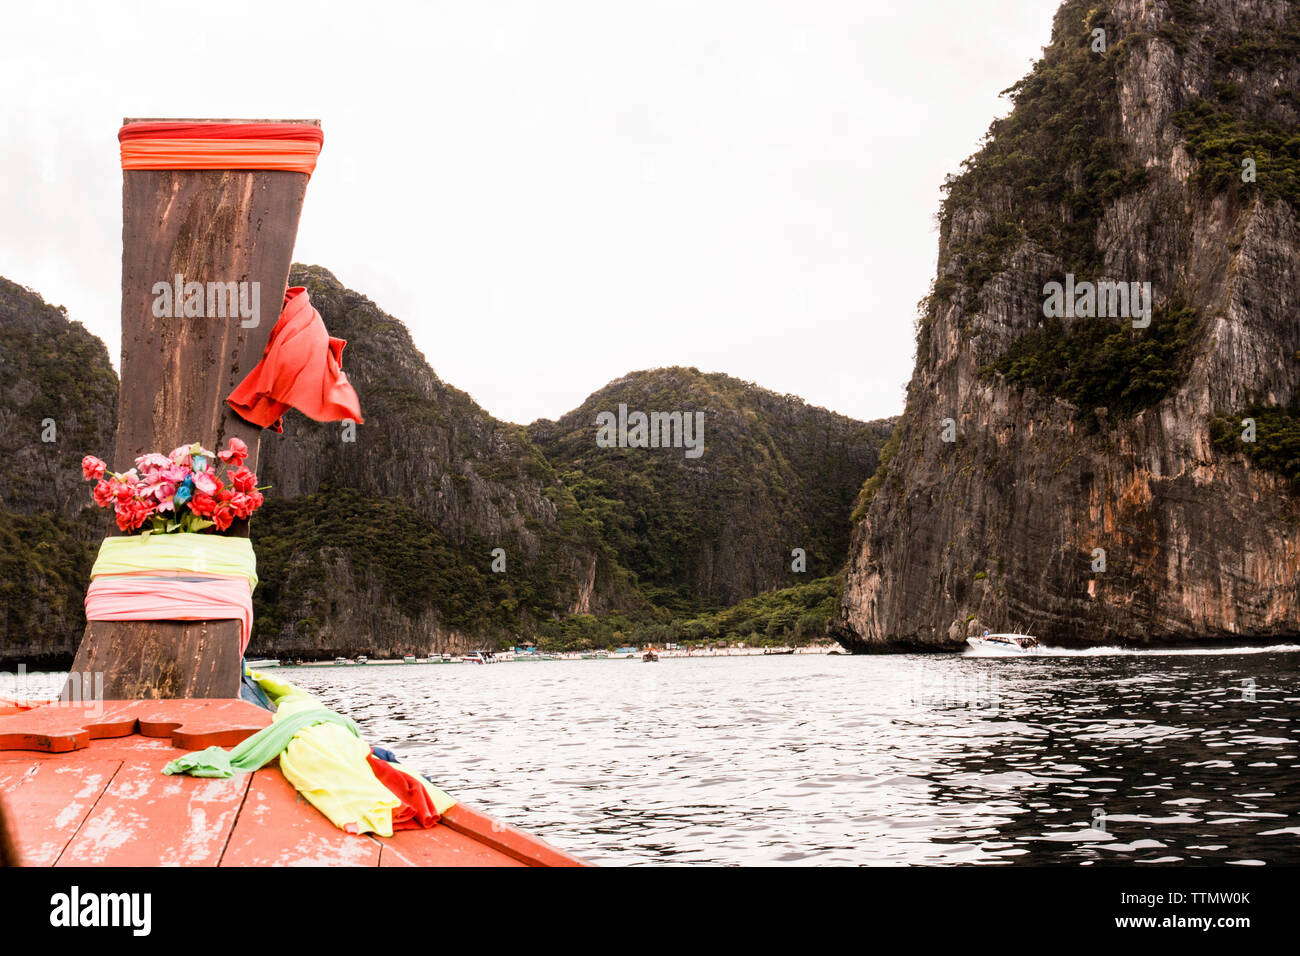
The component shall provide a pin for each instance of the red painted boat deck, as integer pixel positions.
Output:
(82, 785)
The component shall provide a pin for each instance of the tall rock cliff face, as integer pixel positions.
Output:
(58, 402)
(381, 538)
(773, 474)
(1076, 475)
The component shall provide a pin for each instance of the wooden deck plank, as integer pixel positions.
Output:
(277, 827)
(145, 818)
(47, 801)
(188, 724)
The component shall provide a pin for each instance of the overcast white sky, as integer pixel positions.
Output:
(550, 195)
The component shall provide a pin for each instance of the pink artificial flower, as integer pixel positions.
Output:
(164, 491)
(236, 453)
(152, 462)
(126, 486)
(244, 504)
(221, 494)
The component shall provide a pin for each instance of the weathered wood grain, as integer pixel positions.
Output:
(48, 801)
(277, 827)
(207, 226)
(160, 659)
(145, 818)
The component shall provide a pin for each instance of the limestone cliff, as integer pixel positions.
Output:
(58, 402)
(1079, 476)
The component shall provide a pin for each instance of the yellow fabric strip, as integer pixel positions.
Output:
(327, 765)
(329, 769)
(180, 552)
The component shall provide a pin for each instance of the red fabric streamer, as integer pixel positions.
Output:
(301, 368)
(417, 811)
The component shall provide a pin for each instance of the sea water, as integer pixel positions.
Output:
(1077, 758)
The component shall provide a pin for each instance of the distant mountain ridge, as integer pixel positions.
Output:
(775, 475)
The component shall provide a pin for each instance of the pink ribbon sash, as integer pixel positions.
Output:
(142, 597)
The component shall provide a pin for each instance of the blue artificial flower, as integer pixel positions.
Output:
(199, 463)
(184, 491)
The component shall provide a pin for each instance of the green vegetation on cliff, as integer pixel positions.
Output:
(300, 543)
(1277, 439)
(1096, 363)
(791, 616)
(45, 563)
(58, 402)
(58, 395)
(1220, 138)
(1049, 168)
(1230, 123)
(867, 493)
(384, 541)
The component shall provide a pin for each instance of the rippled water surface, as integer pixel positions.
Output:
(1085, 758)
(1077, 758)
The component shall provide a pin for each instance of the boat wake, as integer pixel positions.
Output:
(1112, 651)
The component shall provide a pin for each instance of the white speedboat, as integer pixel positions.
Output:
(1005, 644)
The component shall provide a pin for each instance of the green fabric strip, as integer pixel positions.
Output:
(258, 750)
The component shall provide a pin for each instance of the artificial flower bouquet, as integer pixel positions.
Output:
(189, 490)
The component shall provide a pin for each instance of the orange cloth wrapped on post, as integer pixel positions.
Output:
(291, 147)
(301, 368)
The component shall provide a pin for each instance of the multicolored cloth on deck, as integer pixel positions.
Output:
(321, 753)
